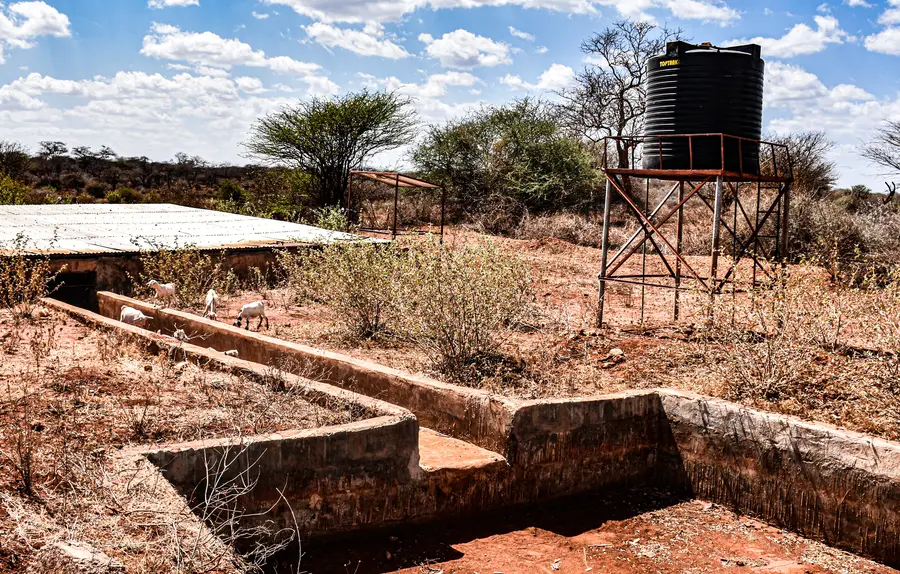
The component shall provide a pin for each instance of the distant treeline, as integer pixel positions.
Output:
(55, 173)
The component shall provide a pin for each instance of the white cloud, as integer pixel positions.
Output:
(540, 50)
(214, 72)
(260, 15)
(702, 10)
(427, 96)
(556, 77)
(801, 39)
(137, 113)
(360, 11)
(463, 49)
(369, 41)
(886, 42)
(207, 50)
(249, 84)
(890, 16)
(823, 8)
(166, 3)
(520, 34)
(860, 3)
(798, 101)
(22, 22)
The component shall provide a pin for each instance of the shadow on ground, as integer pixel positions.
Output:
(406, 546)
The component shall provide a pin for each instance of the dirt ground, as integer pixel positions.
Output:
(614, 533)
(561, 353)
(71, 397)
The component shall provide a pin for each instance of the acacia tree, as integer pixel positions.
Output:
(509, 154)
(609, 97)
(328, 137)
(884, 151)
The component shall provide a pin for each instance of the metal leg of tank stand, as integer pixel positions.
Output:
(604, 253)
(717, 227)
(679, 244)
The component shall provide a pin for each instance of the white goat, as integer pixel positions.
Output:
(257, 309)
(211, 299)
(164, 290)
(132, 316)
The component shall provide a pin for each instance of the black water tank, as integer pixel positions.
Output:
(704, 89)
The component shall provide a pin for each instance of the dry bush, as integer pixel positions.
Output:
(24, 279)
(854, 239)
(811, 348)
(194, 272)
(63, 419)
(570, 227)
(362, 282)
(452, 302)
(460, 302)
(22, 426)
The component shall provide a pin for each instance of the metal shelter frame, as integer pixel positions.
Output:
(397, 180)
(770, 173)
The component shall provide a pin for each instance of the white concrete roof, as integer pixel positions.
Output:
(121, 228)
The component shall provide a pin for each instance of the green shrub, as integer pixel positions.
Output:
(361, 282)
(332, 218)
(24, 279)
(461, 301)
(12, 192)
(97, 189)
(230, 190)
(124, 195)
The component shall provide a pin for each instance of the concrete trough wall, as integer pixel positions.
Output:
(823, 482)
(566, 446)
(820, 481)
(466, 414)
(320, 480)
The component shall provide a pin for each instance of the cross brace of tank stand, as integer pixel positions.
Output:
(766, 250)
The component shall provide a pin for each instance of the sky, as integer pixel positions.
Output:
(157, 77)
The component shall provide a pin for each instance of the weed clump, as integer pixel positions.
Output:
(24, 279)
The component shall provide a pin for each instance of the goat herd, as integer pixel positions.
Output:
(166, 292)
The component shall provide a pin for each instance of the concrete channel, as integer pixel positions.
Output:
(475, 451)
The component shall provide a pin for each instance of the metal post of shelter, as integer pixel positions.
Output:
(396, 201)
(396, 180)
(443, 208)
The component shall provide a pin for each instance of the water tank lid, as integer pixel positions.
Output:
(678, 49)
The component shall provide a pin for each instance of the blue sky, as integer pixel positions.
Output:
(156, 77)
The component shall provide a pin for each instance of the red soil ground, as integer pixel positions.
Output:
(615, 533)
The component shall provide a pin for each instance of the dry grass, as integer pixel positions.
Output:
(814, 348)
(71, 398)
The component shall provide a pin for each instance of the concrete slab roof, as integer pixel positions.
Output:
(120, 228)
